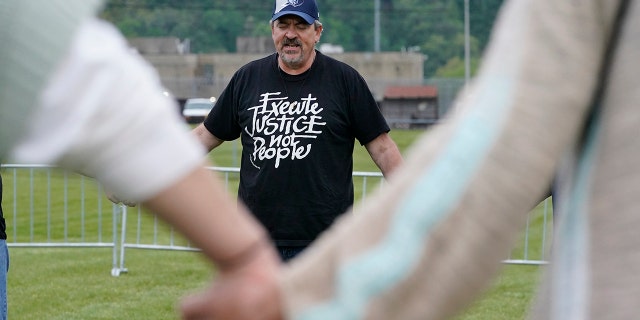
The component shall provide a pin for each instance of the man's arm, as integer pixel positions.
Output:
(385, 153)
(208, 140)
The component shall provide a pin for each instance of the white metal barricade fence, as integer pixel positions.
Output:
(47, 207)
(143, 231)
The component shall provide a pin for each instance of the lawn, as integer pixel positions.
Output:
(75, 283)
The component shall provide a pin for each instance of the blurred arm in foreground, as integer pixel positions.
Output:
(82, 100)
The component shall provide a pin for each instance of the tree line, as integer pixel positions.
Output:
(433, 27)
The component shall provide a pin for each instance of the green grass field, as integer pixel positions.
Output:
(75, 283)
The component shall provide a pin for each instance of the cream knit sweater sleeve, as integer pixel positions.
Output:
(428, 242)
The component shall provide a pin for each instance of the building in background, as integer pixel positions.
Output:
(410, 106)
(187, 75)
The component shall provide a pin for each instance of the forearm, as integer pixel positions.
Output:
(385, 154)
(208, 140)
(200, 207)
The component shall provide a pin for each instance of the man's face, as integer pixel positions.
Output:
(294, 40)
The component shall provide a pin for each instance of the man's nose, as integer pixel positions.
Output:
(291, 33)
(290, 36)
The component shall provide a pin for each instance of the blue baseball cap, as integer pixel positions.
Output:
(305, 9)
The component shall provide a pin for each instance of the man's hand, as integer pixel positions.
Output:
(113, 198)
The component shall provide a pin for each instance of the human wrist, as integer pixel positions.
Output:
(245, 255)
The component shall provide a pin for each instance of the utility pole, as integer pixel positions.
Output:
(467, 54)
(376, 31)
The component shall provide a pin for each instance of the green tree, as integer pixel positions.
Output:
(455, 68)
(211, 26)
(482, 15)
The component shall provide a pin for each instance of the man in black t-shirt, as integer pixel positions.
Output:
(298, 114)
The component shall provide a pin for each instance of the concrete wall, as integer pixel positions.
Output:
(206, 75)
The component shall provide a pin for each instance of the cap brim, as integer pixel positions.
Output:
(309, 19)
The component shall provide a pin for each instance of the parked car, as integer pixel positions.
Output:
(196, 109)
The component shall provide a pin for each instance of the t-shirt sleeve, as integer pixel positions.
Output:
(368, 121)
(222, 120)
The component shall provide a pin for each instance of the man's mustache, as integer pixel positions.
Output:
(289, 42)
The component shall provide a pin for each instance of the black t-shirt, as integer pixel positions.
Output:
(3, 226)
(298, 134)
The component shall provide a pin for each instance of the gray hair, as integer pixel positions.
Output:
(316, 23)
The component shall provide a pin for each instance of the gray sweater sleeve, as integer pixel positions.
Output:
(34, 35)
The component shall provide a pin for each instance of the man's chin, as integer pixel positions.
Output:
(291, 60)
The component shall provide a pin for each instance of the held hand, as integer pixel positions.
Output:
(248, 292)
(113, 198)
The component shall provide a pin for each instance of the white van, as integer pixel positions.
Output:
(196, 109)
